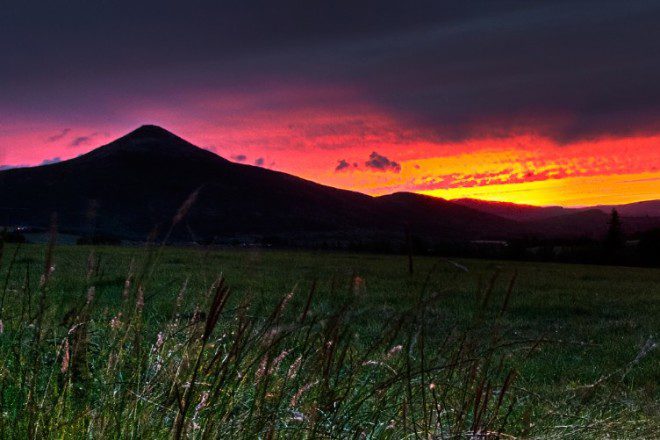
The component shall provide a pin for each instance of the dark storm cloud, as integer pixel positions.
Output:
(568, 70)
(382, 163)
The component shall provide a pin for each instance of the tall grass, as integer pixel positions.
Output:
(213, 366)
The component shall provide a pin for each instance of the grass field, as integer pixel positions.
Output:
(308, 344)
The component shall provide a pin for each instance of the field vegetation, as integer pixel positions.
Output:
(157, 342)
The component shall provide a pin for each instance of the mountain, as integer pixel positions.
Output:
(520, 212)
(129, 186)
(513, 211)
(649, 208)
(592, 223)
(140, 180)
(439, 218)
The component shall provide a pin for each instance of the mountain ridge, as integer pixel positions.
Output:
(646, 208)
(139, 180)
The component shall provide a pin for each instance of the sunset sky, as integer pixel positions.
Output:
(532, 102)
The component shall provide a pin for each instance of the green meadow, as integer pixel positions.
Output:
(123, 342)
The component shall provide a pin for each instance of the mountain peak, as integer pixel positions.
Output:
(152, 143)
(151, 131)
(151, 140)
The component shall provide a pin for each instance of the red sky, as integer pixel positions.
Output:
(544, 102)
(307, 131)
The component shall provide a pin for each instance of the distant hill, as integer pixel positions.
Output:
(520, 212)
(140, 180)
(513, 211)
(650, 208)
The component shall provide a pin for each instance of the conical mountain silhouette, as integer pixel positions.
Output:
(129, 186)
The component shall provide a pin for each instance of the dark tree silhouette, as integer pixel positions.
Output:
(615, 239)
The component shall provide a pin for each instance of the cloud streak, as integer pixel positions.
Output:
(80, 141)
(59, 136)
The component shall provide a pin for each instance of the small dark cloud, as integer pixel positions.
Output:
(51, 161)
(342, 165)
(239, 157)
(82, 140)
(382, 163)
(259, 162)
(60, 135)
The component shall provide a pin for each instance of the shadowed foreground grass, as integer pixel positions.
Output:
(164, 342)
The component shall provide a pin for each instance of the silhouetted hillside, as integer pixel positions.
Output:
(649, 208)
(125, 188)
(513, 211)
(434, 216)
(520, 212)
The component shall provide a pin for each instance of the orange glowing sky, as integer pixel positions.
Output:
(309, 140)
(544, 102)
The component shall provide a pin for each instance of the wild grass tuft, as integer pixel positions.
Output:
(214, 364)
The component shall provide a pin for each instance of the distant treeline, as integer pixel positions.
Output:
(615, 248)
(640, 249)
